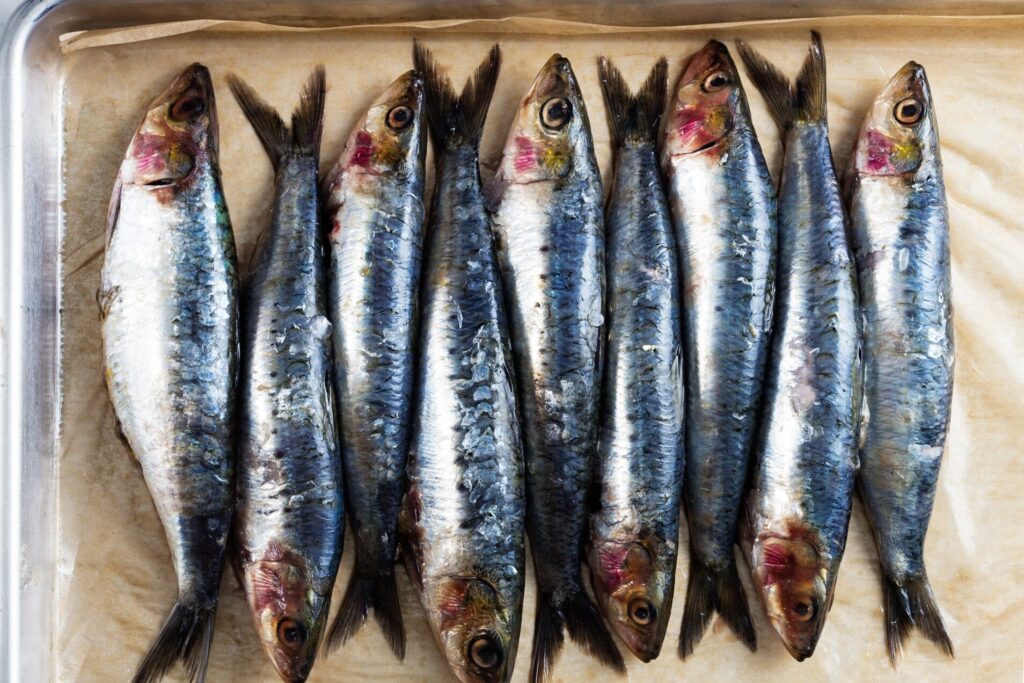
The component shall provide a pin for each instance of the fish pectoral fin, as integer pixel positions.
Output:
(114, 208)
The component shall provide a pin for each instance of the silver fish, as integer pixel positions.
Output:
(901, 241)
(723, 204)
(798, 506)
(375, 210)
(634, 534)
(547, 203)
(168, 300)
(290, 516)
(463, 515)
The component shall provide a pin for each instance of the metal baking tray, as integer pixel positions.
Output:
(32, 220)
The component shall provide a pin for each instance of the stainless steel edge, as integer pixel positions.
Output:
(29, 339)
(31, 230)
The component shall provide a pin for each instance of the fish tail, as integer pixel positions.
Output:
(186, 635)
(587, 629)
(633, 117)
(363, 592)
(709, 591)
(909, 605)
(303, 139)
(789, 102)
(547, 638)
(457, 119)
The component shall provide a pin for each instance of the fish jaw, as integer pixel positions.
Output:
(634, 592)
(707, 103)
(177, 135)
(289, 614)
(795, 578)
(472, 628)
(890, 142)
(550, 128)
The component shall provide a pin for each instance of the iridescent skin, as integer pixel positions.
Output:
(798, 506)
(463, 516)
(168, 299)
(901, 240)
(723, 204)
(635, 532)
(290, 512)
(375, 204)
(549, 228)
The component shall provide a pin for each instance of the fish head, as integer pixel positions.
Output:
(289, 613)
(634, 591)
(390, 139)
(177, 134)
(795, 577)
(707, 103)
(551, 130)
(474, 629)
(899, 133)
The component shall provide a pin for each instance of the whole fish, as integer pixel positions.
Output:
(901, 242)
(169, 310)
(463, 515)
(290, 516)
(547, 203)
(375, 209)
(798, 505)
(634, 534)
(723, 204)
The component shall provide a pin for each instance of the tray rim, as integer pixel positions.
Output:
(31, 235)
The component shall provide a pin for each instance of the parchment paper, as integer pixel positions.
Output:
(116, 583)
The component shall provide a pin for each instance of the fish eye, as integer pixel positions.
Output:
(399, 117)
(804, 611)
(485, 653)
(188, 107)
(715, 81)
(908, 111)
(642, 612)
(291, 632)
(556, 113)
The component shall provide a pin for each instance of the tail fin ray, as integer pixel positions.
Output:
(307, 121)
(187, 636)
(789, 102)
(633, 117)
(364, 592)
(587, 629)
(912, 604)
(457, 119)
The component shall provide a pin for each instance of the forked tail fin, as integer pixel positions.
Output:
(789, 102)
(456, 120)
(186, 635)
(633, 117)
(303, 139)
(364, 592)
(710, 591)
(586, 628)
(907, 606)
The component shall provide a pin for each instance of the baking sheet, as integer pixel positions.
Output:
(115, 581)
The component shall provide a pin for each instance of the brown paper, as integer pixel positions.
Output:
(116, 583)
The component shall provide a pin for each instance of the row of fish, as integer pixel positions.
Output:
(529, 361)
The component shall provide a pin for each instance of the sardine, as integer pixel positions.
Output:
(375, 214)
(901, 243)
(290, 516)
(463, 519)
(169, 310)
(547, 203)
(798, 506)
(634, 533)
(723, 204)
